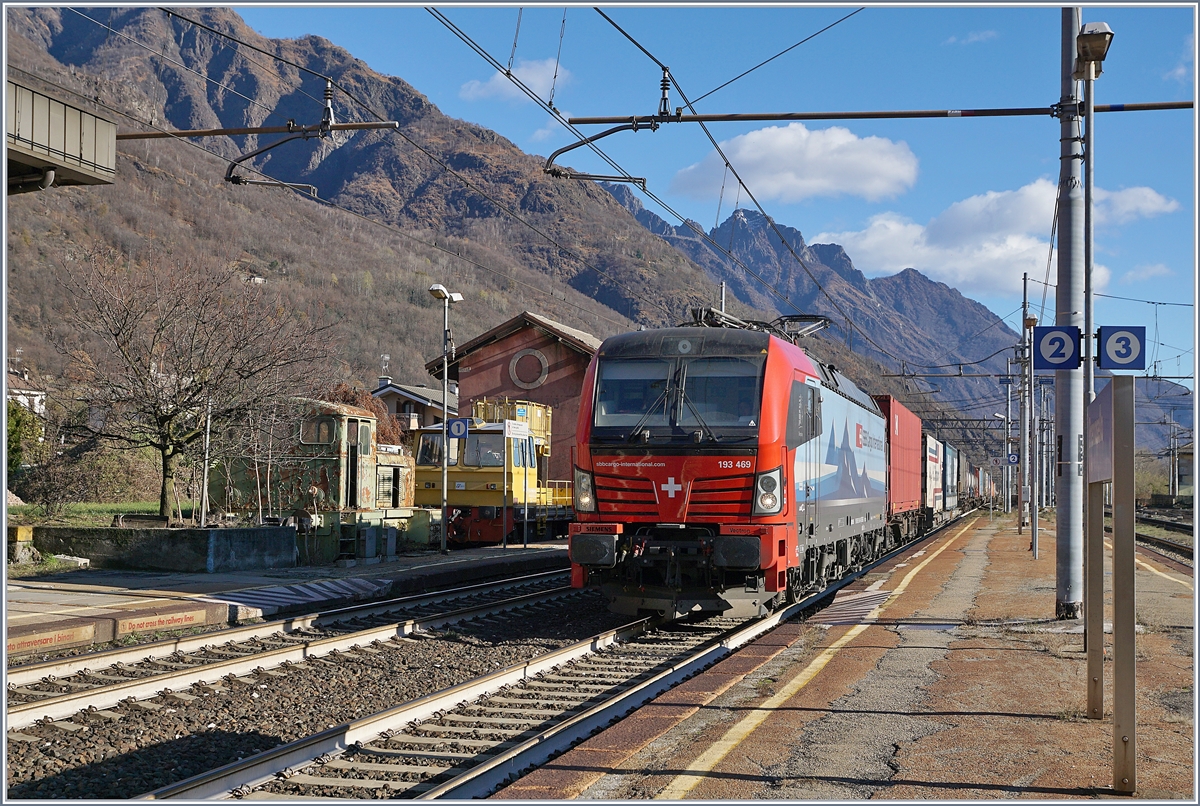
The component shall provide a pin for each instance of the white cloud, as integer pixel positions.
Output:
(791, 163)
(551, 128)
(537, 75)
(1127, 204)
(983, 244)
(1182, 72)
(1145, 272)
(972, 38)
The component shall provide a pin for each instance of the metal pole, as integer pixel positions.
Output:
(1023, 412)
(1007, 416)
(1089, 382)
(1124, 619)
(204, 478)
(1031, 461)
(445, 424)
(722, 296)
(504, 483)
(525, 476)
(1069, 308)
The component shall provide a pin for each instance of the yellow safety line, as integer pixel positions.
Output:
(1154, 570)
(685, 782)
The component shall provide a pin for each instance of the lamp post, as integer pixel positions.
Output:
(439, 292)
(1091, 46)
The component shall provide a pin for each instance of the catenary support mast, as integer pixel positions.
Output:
(1069, 304)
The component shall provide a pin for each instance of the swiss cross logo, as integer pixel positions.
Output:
(670, 487)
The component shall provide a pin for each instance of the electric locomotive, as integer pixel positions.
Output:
(722, 471)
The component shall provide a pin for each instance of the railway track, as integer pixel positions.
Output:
(1162, 544)
(57, 689)
(470, 739)
(1181, 527)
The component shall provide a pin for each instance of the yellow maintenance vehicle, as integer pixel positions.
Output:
(496, 489)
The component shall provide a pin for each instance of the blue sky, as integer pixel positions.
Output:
(968, 202)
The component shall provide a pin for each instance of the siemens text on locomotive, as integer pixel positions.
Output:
(721, 470)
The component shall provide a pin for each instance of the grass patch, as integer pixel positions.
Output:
(48, 565)
(83, 515)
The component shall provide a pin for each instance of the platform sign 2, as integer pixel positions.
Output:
(1056, 347)
(1122, 347)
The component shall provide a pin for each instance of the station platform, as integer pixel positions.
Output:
(941, 674)
(92, 606)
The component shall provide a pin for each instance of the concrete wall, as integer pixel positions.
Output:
(182, 550)
(491, 372)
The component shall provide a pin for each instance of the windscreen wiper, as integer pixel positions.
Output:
(660, 399)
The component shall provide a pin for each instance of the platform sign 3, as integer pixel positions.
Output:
(1056, 347)
(1122, 347)
(458, 428)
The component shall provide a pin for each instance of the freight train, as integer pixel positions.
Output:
(721, 470)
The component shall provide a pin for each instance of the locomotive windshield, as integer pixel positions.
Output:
(715, 395)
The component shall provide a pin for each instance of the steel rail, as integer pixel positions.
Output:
(20, 715)
(237, 779)
(28, 673)
(263, 767)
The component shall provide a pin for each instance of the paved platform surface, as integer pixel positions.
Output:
(95, 606)
(941, 675)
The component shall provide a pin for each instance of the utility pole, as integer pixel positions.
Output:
(1029, 419)
(1007, 419)
(1069, 311)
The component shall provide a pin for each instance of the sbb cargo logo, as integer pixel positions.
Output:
(863, 437)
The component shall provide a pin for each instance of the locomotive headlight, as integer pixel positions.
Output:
(768, 493)
(585, 497)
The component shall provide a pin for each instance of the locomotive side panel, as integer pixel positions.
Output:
(849, 485)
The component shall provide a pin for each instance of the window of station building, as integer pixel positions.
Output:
(318, 431)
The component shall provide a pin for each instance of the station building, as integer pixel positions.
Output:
(533, 358)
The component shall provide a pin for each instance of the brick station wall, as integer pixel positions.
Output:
(179, 550)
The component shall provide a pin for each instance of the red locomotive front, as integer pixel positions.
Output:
(683, 476)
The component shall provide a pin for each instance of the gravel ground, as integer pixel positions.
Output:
(145, 750)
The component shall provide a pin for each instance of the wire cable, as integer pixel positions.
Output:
(704, 127)
(777, 55)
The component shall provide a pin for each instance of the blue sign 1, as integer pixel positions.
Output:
(457, 429)
(1122, 348)
(1006, 380)
(1056, 347)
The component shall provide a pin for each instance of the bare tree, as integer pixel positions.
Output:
(152, 345)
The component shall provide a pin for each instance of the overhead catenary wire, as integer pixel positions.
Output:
(462, 35)
(753, 198)
(777, 55)
(378, 116)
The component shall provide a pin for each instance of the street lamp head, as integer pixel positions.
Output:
(1093, 41)
(1000, 416)
(439, 292)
